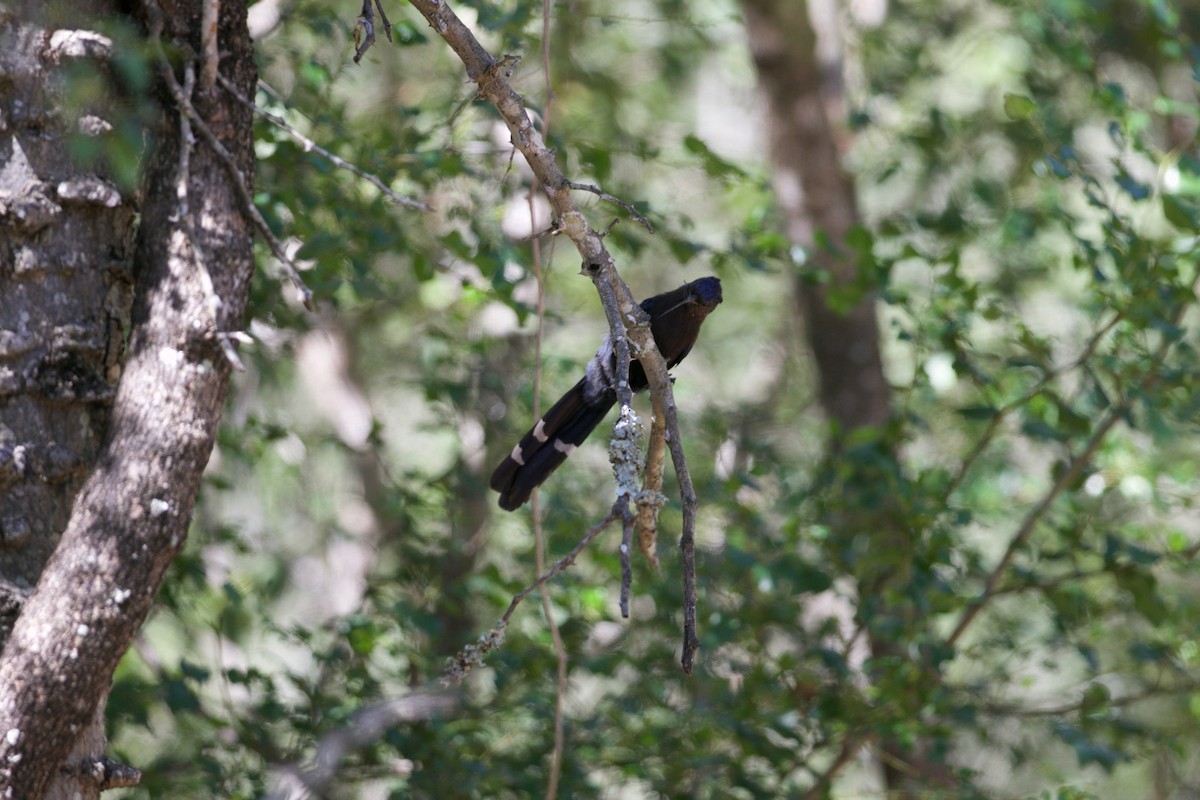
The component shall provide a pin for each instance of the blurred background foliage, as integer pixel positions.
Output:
(1029, 182)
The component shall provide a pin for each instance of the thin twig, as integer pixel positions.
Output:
(183, 213)
(560, 649)
(183, 218)
(387, 26)
(587, 187)
(559, 565)
(551, 230)
(1017, 587)
(471, 656)
(364, 729)
(310, 145)
(627, 518)
(687, 539)
(210, 52)
(1148, 693)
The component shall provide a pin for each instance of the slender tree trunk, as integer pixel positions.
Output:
(816, 196)
(135, 454)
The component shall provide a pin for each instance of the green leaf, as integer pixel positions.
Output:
(1018, 106)
(1087, 750)
(193, 671)
(1142, 587)
(406, 33)
(804, 576)
(684, 249)
(714, 165)
(179, 696)
(1180, 214)
(319, 245)
(978, 412)
(1037, 429)
(1134, 188)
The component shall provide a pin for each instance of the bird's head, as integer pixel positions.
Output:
(706, 292)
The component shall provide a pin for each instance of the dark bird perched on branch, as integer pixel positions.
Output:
(675, 319)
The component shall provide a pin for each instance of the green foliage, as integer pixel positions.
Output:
(1003, 577)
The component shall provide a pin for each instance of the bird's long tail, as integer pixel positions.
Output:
(547, 444)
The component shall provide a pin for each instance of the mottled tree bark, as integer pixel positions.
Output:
(66, 281)
(135, 454)
(818, 203)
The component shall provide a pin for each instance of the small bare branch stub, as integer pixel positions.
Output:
(105, 773)
(364, 30)
(633, 212)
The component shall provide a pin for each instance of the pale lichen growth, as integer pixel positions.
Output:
(464, 661)
(625, 452)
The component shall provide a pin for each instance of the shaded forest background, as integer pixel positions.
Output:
(991, 592)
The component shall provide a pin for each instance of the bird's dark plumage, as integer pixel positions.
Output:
(675, 319)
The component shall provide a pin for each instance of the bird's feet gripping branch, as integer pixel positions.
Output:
(675, 319)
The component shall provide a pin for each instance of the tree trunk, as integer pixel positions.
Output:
(66, 272)
(135, 453)
(817, 196)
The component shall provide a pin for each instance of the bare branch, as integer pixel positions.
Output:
(1074, 707)
(625, 550)
(364, 729)
(387, 26)
(651, 498)
(687, 540)
(186, 221)
(1029, 524)
(559, 565)
(850, 747)
(587, 187)
(628, 324)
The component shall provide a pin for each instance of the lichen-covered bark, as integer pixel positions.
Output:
(131, 515)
